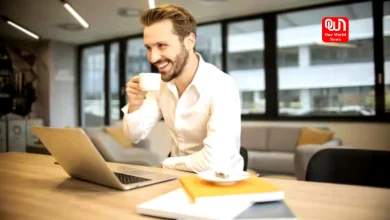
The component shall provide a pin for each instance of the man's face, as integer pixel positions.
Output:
(165, 50)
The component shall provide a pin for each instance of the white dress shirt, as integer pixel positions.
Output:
(204, 123)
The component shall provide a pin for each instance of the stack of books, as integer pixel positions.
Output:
(252, 198)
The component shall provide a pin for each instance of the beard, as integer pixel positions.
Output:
(178, 65)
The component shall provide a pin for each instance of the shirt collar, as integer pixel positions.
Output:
(198, 78)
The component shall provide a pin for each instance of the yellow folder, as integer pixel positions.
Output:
(253, 189)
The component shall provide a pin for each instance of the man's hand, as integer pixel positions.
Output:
(134, 95)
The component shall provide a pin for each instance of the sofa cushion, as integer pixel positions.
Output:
(92, 130)
(273, 162)
(283, 139)
(118, 135)
(113, 152)
(314, 136)
(105, 144)
(254, 138)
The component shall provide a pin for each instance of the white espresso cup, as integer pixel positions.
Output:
(149, 81)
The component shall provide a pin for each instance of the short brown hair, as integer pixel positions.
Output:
(183, 22)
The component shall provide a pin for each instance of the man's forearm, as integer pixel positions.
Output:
(132, 109)
(177, 163)
(138, 123)
(132, 125)
(196, 162)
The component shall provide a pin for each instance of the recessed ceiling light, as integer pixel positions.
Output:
(129, 12)
(152, 4)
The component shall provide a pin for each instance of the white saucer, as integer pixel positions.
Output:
(231, 179)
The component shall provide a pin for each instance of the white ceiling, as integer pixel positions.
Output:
(44, 16)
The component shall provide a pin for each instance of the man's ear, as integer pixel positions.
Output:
(190, 41)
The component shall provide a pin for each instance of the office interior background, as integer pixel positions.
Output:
(273, 49)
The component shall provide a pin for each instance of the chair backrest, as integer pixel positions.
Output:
(244, 154)
(350, 166)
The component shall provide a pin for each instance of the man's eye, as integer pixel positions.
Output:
(162, 46)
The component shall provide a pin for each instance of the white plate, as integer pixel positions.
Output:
(231, 179)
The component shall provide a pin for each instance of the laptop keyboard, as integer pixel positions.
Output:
(129, 179)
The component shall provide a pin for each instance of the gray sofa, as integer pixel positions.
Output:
(111, 151)
(273, 150)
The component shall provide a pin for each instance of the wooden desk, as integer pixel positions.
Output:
(33, 187)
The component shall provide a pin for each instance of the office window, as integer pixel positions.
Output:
(245, 63)
(288, 57)
(386, 48)
(137, 58)
(93, 86)
(209, 44)
(355, 51)
(326, 79)
(114, 83)
(247, 99)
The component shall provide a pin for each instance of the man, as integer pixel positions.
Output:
(199, 103)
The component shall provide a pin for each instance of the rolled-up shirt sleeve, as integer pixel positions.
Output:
(137, 125)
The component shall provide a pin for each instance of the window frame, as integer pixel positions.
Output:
(270, 66)
(79, 81)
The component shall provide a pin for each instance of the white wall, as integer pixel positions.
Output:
(360, 135)
(56, 96)
(41, 50)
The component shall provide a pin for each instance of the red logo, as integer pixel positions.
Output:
(335, 29)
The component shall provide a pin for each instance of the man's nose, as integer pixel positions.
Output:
(154, 56)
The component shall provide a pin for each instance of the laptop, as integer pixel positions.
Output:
(77, 155)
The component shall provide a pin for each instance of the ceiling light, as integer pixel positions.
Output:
(129, 12)
(19, 27)
(152, 4)
(75, 14)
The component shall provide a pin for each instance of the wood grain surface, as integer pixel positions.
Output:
(33, 187)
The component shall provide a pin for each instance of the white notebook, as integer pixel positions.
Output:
(177, 205)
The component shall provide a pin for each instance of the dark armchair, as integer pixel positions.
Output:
(350, 166)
